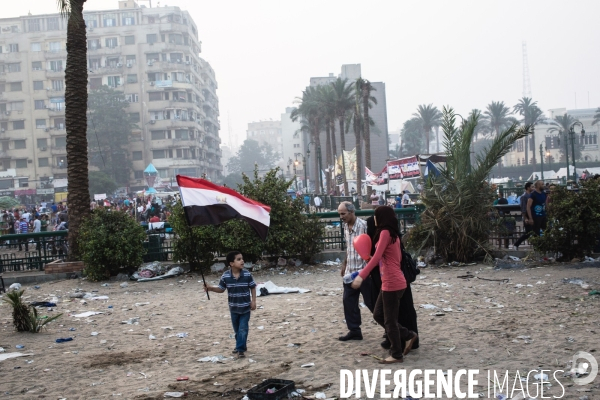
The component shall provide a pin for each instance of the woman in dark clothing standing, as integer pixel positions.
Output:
(407, 315)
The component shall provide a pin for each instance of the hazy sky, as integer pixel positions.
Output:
(459, 53)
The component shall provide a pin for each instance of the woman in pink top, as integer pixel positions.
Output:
(393, 284)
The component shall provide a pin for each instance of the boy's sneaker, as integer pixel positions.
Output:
(241, 354)
(234, 351)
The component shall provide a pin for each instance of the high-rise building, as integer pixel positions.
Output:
(150, 54)
(266, 132)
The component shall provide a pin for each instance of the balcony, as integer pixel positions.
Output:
(160, 47)
(56, 54)
(58, 151)
(106, 70)
(54, 112)
(174, 27)
(50, 73)
(104, 51)
(60, 169)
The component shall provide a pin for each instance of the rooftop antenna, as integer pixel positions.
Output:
(526, 81)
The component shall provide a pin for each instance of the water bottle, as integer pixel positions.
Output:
(349, 278)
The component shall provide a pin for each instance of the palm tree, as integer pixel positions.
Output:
(428, 116)
(76, 78)
(458, 202)
(561, 126)
(364, 89)
(343, 104)
(532, 115)
(497, 115)
(327, 101)
(309, 109)
(411, 137)
(596, 117)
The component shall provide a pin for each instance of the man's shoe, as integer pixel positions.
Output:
(351, 336)
(241, 354)
(386, 344)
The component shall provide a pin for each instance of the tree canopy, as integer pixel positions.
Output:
(252, 153)
(101, 182)
(109, 129)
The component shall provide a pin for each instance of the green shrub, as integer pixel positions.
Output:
(110, 241)
(573, 221)
(25, 318)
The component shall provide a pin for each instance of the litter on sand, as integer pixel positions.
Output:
(214, 359)
(6, 356)
(271, 288)
(429, 306)
(174, 394)
(86, 314)
(307, 365)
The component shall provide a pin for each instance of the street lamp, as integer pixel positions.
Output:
(548, 158)
(572, 134)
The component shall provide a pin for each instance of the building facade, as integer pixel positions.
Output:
(552, 142)
(293, 150)
(150, 54)
(266, 132)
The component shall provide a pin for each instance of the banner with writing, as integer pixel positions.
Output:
(403, 168)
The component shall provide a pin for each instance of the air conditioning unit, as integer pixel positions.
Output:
(2, 130)
(119, 65)
(187, 63)
(91, 29)
(45, 106)
(152, 121)
(7, 112)
(47, 130)
(152, 83)
(179, 61)
(43, 148)
(49, 88)
(129, 65)
(150, 63)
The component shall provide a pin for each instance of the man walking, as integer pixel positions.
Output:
(527, 224)
(23, 229)
(353, 227)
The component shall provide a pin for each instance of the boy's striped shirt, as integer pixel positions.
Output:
(238, 290)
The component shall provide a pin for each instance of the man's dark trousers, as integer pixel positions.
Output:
(351, 300)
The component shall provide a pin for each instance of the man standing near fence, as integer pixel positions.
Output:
(527, 224)
(317, 200)
(23, 229)
(353, 263)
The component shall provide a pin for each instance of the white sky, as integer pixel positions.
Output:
(459, 53)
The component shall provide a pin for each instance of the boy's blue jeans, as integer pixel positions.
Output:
(240, 327)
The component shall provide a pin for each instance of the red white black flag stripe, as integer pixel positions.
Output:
(208, 204)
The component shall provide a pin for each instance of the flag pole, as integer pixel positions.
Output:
(201, 272)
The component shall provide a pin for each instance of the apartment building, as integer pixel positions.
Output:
(266, 132)
(151, 54)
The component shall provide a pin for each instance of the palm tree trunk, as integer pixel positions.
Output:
(328, 154)
(76, 77)
(334, 152)
(427, 131)
(437, 137)
(317, 141)
(367, 127)
(343, 144)
(358, 156)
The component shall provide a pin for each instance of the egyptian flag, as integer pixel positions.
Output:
(205, 203)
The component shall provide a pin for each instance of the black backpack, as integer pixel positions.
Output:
(408, 265)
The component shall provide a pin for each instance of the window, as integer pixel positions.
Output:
(58, 84)
(56, 66)
(138, 174)
(43, 162)
(15, 106)
(132, 97)
(16, 87)
(94, 44)
(42, 143)
(60, 142)
(13, 48)
(132, 78)
(152, 38)
(182, 134)
(59, 123)
(52, 24)
(2, 90)
(14, 67)
(157, 135)
(5, 146)
(130, 60)
(112, 62)
(18, 125)
(57, 103)
(110, 20)
(135, 117)
(36, 46)
(520, 145)
(21, 163)
(128, 19)
(156, 154)
(20, 144)
(36, 65)
(39, 104)
(33, 25)
(95, 83)
(136, 155)
(54, 47)
(183, 153)
(130, 39)
(155, 96)
(114, 81)
(38, 85)
(111, 42)
(91, 22)
(40, 124)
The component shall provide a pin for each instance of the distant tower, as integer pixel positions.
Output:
(526, 82)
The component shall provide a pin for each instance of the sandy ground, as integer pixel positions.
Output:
(121, 361)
